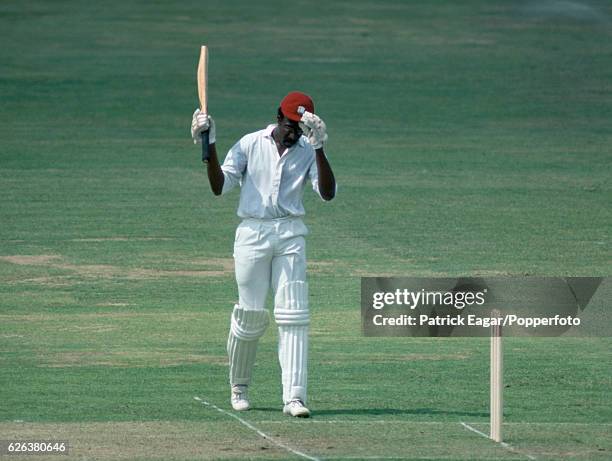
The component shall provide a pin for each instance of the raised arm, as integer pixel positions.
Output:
(203, 122)
(215, 175)
(327, 181)
(316, 131)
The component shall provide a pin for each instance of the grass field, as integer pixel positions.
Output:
(468, 138)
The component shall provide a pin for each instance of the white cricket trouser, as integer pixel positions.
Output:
(271, 254)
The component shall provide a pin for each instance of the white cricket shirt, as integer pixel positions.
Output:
(272, 186)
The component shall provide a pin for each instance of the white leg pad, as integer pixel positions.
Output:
(292, 316)
(246, 328)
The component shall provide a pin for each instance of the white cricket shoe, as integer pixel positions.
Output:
(240, 397)
(296, 408)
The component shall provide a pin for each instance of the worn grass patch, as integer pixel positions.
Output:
(339, 440)
(141, 440)
(127, 358)
(105, 271)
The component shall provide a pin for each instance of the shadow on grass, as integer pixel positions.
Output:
(397, 411)
(387, 411)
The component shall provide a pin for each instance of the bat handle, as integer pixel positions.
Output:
(205, 147)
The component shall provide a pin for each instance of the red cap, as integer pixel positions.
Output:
(290, 103)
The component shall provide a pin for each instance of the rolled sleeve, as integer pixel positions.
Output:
(233, 168)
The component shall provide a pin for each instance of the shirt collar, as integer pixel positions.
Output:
(268, 131)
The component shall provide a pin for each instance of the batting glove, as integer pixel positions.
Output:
(314, 128)
(200, 123)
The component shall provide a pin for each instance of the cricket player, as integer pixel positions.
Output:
(272, 167)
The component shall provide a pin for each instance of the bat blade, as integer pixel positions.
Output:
(203, 96)
(203, 79)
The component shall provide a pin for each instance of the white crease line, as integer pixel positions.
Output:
(253, 428)
(505, 445)
(470, 428)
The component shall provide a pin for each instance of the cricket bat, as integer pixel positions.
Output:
(203, 95)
